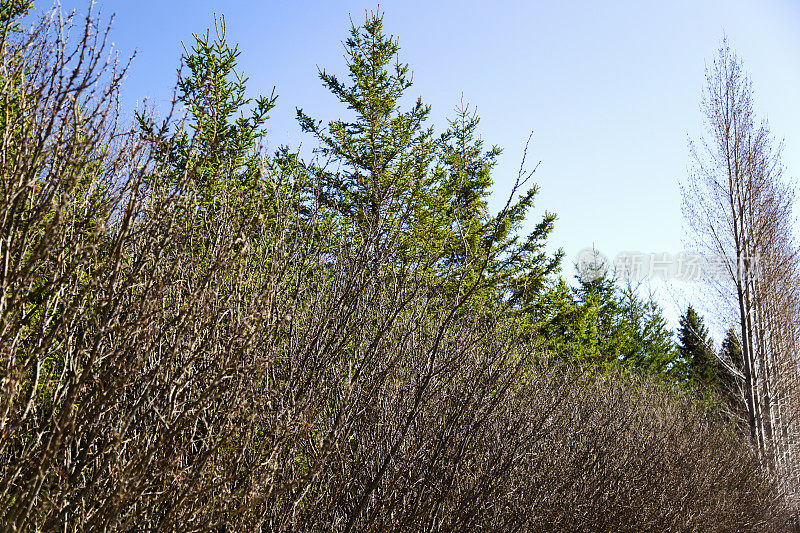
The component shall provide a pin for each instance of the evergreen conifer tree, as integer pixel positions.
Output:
(604, 325)
(217, 148)
(515, 268)
(731, 370)
(463, 191)
(702, 365)
(383, 175)
(382, 184)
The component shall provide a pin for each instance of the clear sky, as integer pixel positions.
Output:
(611, 90)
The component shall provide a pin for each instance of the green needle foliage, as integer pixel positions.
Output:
(217, 147)
(465, 187)
(225, 133)
(608, 326)
(383, 153)
(716, 375)
(382, 172)
(373, 169)
(732, 373)
(696, 350)
(513, 270)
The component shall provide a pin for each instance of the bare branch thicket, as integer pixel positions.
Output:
(740, 207)
(109, 363)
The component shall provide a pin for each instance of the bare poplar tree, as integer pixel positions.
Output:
(740, 209)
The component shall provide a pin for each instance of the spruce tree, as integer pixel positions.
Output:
(607, 326)
(383, 176)
(461, 215)
(732, 372)
(650, 345)
(464, 188)
(696, 351)
(382, 154)
(216, 148)
(514, 268)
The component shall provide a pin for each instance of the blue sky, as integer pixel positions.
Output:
(611, 90)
